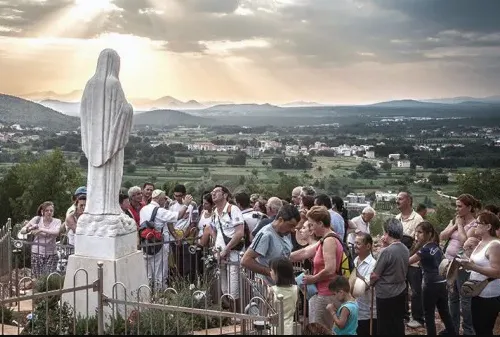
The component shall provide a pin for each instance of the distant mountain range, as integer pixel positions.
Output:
(73, 96)
(462, 99)
(47, 113)
(69, 103)
(300, 104)
(170, 117)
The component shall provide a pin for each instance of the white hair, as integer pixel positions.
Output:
(134, 190)
(369, 210)
(297, 190)
(274, 203)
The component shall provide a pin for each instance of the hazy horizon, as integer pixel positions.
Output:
(63, 98)
(259, 51)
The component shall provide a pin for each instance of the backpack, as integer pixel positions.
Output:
(150, 235)
(245, 242)
(345, 260)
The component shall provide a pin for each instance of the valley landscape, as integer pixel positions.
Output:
(243, 145)
(168, 111)
(357, 99)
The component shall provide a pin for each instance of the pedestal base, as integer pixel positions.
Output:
(108, 248)
(105, 225)
(109, 236)
(129, 270)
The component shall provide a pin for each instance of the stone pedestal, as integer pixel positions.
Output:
(111, 239)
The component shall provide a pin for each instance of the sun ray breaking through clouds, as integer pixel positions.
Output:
(257, 50)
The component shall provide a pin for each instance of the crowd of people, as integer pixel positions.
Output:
(416, 270)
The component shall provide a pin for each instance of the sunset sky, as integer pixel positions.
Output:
(332, 51)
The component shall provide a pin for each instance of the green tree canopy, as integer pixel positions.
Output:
(483, 185)
(30, 183)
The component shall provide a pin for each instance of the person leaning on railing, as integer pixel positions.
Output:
(44, 228)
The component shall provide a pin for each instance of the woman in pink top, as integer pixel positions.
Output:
(324, 255)
(462, 227)
(45, 230)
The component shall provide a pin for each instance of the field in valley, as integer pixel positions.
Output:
(340, 168)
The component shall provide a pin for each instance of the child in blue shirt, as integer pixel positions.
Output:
(344, 309)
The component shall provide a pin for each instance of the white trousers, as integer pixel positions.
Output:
(230, 276)
(157, 268)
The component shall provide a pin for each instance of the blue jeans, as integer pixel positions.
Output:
(461, 303)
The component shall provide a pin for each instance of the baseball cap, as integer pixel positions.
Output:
(157, 193)
(81, 190)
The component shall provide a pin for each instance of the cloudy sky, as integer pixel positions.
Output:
(336, 51)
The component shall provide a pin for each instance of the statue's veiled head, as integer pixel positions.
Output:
(108, 64)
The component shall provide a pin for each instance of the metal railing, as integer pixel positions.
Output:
(193, 272)
(45, 302)
(5, 249)
(52, 313)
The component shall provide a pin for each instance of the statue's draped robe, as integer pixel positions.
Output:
(106, 123)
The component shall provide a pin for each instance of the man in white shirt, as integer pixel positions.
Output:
(182, 227)
(410, 219)
(157, 264)
(365, 263)
(228, 222)
(360, 224)
(250, 216)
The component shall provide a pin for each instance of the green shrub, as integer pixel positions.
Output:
(50, 318)
(46, 283)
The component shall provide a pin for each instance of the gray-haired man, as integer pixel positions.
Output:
(389, 279)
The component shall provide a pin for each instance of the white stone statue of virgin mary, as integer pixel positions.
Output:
(106, 123)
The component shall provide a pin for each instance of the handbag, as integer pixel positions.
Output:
(28, 235)
(473, 288)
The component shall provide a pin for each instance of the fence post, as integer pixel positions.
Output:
(100, 299)
(281, 316)
(243, 298)
(9, 249)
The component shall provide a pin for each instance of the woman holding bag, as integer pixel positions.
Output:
(456, 233)
(484, 265)
(45, 229)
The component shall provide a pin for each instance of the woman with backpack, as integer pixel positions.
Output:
(325, 264)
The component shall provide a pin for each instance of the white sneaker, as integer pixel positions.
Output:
(414, 324)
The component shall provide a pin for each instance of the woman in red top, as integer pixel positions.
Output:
(324, 255)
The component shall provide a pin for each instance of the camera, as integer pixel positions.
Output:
(258, 215)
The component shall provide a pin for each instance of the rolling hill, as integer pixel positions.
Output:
(170, 117)
(406, 103)
(15, 110)
(462, 99)
(166, 102)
